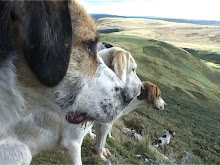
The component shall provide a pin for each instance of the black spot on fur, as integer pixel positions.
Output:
(71, 91)
(42, 31)
(6, 44)
(107, 45)
(164, 136)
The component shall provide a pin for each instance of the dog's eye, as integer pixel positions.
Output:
(133, 69)
(90, 47)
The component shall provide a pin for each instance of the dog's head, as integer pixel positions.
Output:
(151, 93)
(124, 66)
(56, 45)
(103, 45)
(171, 132)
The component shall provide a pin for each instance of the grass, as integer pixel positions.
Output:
(203, 37)
(191, 90)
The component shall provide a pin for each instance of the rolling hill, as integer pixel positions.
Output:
(192, 92)
(189, 78)
(202, 37)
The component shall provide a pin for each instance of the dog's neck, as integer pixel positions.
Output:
(134, 104)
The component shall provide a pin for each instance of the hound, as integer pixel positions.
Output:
(150, 97)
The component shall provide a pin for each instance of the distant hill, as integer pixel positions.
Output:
(97, 16)
(203, 22)
(195, 36)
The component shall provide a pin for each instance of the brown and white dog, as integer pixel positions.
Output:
(49, 61)
(150, 96)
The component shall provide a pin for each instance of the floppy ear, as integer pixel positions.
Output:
(143, 94)
(119, 65)
(45, 34)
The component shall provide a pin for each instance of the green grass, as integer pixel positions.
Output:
(191, 90)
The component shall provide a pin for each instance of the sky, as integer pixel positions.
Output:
(184, 9)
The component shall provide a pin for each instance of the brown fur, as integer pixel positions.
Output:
(119, 62)
(151, 93)
(83, 30)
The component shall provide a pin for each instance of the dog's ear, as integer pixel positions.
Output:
(43, 32)
(143, 94)
(119, 65)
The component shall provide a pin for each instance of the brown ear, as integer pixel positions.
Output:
(118, 65)
(158, 92)
(143, 94)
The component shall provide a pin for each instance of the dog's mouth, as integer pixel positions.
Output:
(77, 118)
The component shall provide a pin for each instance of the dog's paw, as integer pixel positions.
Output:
(92, 135)
(111, 137)
(103, 157)
(105, 154)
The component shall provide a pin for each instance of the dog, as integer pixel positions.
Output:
(150, 96)
(49, 61)
(37, 132)
(165, 139)
(103, 45)
(129, 70)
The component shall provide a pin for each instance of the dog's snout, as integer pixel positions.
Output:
(127, 97)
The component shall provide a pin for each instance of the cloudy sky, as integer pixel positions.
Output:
(187, 9)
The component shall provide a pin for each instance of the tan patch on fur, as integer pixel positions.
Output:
(83, 24)
(84, 29)
(153, 92)
(119, 63)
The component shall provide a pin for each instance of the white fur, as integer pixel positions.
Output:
(11, 100)
(49, 133)
(128, 76)
(164, 141)
(160, 104)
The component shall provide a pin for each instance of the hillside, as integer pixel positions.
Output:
(202, 37)
(191, 90)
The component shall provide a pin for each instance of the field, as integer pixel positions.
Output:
(202, 37)
(190, 84)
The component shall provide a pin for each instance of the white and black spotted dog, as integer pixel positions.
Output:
(165, 139)
(103, 45)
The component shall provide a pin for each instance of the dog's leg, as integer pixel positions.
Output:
(73, 152)
(110, 134)
(102, 130)
(72, 137)
(90, 133)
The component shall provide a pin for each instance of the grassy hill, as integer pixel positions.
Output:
(190, 82)
(202, 37)
(191, 90)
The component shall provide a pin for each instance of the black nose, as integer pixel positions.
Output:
(127, 97)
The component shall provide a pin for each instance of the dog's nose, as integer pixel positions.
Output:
(127, 97)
